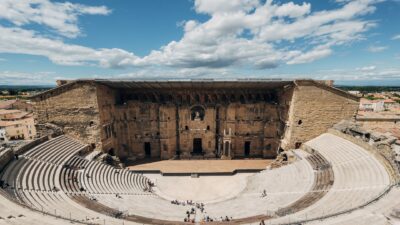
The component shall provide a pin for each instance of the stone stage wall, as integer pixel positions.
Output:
(141, 122)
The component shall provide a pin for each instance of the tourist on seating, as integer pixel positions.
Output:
(16, 156)
(262, 222)
(264, 194)
(55, 189)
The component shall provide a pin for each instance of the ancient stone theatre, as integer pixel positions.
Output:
(194, 118)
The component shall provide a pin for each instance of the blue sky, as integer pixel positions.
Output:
(352, 42)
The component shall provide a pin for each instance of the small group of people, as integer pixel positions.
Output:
(149, 187)
(4, 184)
(117, 195)
(264, 194)
(150, 183)
(208, 219)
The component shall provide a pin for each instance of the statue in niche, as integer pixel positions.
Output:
(197, 116)
(197, 113)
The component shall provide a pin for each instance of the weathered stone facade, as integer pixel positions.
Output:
(74, 108)
(189, 119)
(315, 108)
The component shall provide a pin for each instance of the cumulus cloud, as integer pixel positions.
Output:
(16, 40)
(238, 33)
(61, 17)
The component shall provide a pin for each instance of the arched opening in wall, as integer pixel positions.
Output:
(91, 123)
(232, 98)
(147, 149)
(186, 128)
(111, 152)
(162, 98)
(208, 127)
(297, 145)
(242, 99)
(165, 147)
(153, 98)
(197, 98)
(92, 146)
(197, 146)
(247, 148)
(250, 98)
(226, 149)
(206, 99)
(214, 98)
(299, 122)
(197, 113)
(224, 98)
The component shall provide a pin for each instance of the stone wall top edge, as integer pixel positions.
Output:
(328, 88)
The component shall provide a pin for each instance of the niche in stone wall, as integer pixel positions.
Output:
(197, 113)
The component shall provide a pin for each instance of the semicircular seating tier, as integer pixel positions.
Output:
(359, 178)
(337, 176)
(34, 182)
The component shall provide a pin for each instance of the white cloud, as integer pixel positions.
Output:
(238, 33)
(23, 78)
(396, 37)
(376, 48)
(366, 68)
(317, 53)
(359, 74)
(224, 6)
(61, 17)
(16, 40)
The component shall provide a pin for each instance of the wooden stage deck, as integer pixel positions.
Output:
(185, 167)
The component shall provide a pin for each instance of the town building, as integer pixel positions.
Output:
(16, 104)
(372, 105)
(16, 125)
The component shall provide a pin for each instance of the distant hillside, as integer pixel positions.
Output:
(24, 88)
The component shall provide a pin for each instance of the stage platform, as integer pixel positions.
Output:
(201, 167)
